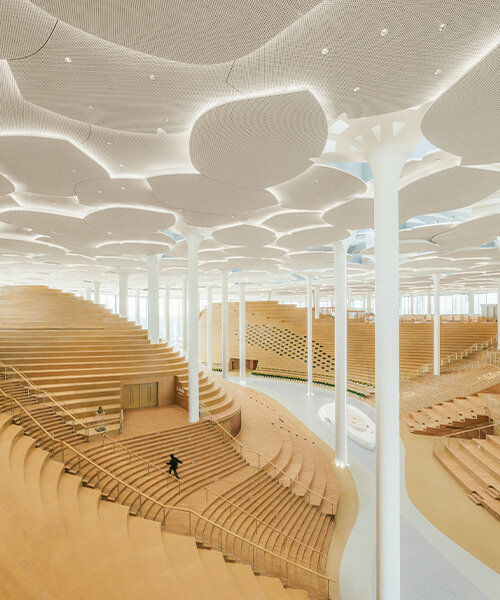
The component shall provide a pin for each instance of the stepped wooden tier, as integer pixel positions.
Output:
(475, 464)
(63, 540)
(276, 343)
(87, 357)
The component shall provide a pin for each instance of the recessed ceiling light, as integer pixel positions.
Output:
(324, 51)
(99, 191)
(152, 77)
(442, 27)
(121, 164)
(384, 32)
(122, 188)
(356, 89)
(90, 107)
(67, 59)
(109, 143)
(437, 159)
(438, 72)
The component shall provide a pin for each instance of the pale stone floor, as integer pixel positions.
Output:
(433, 566)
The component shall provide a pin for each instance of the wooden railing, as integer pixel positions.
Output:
(54, 446)
(57, 406)
(261, 459)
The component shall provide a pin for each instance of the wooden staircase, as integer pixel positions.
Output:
(62, 540)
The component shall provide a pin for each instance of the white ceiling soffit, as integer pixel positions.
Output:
(111, 86)
(259, 142)
(311, 237)
(134, 248)
(250, 252)
(6, 186)
(124, 191)
(470, 234)
(127, 220)
(187, 31)
(355, 214)
(248, 235)
(340, 50)
(46, 166)
(425, 232)
(19, 116)
(319, 188)
(465, 120)
(451, 189)
(194, 192)
(289, 221)
(24, 28)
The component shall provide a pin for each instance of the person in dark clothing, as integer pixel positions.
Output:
(174, 462)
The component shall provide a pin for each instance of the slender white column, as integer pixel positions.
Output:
(225, 334)
(123, 294)
(369, 308)
(340, 355)
(316, 303)
(498, 310)
(412, 305)
(193, 243)
(472, 308)
(428, 310)
(386, 161)
(88, 293)
(269, 296)
(209, 327)
(309, 337)
(154, 298)
(167, 314)
(138, 306)
(243, 340)
(97, 292)
(437, 325)
(349, 298)
(185, 341)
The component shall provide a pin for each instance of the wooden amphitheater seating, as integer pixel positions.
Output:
(81, 353)
(276, 337)
(449, 417)
(62, 540)
(475, 464)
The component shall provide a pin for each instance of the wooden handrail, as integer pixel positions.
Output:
(165, 507)
(86, 426)
(264, 523)
(268, 461)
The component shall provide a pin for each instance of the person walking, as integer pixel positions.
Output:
(174, 463)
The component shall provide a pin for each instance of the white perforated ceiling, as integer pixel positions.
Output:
(259, 142)
(190, 31)
(122, 122)
(465, 120)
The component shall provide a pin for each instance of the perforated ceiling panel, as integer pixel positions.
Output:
(319, 188)
(6, 186)
(355, 214)
(249, 235)
(465, 120)
(447, 190)
(24, 28)
(133, 221)
(191, 31)
(341, 51)
(114, 87)
(132, 192)
(194, 192)
(259, 142)
(46, 166)
(313, 236)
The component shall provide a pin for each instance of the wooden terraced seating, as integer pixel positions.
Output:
(277, 339)
(81, 353)
(63, 540)
(446, 417)
(261, 507)
(475, 464)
